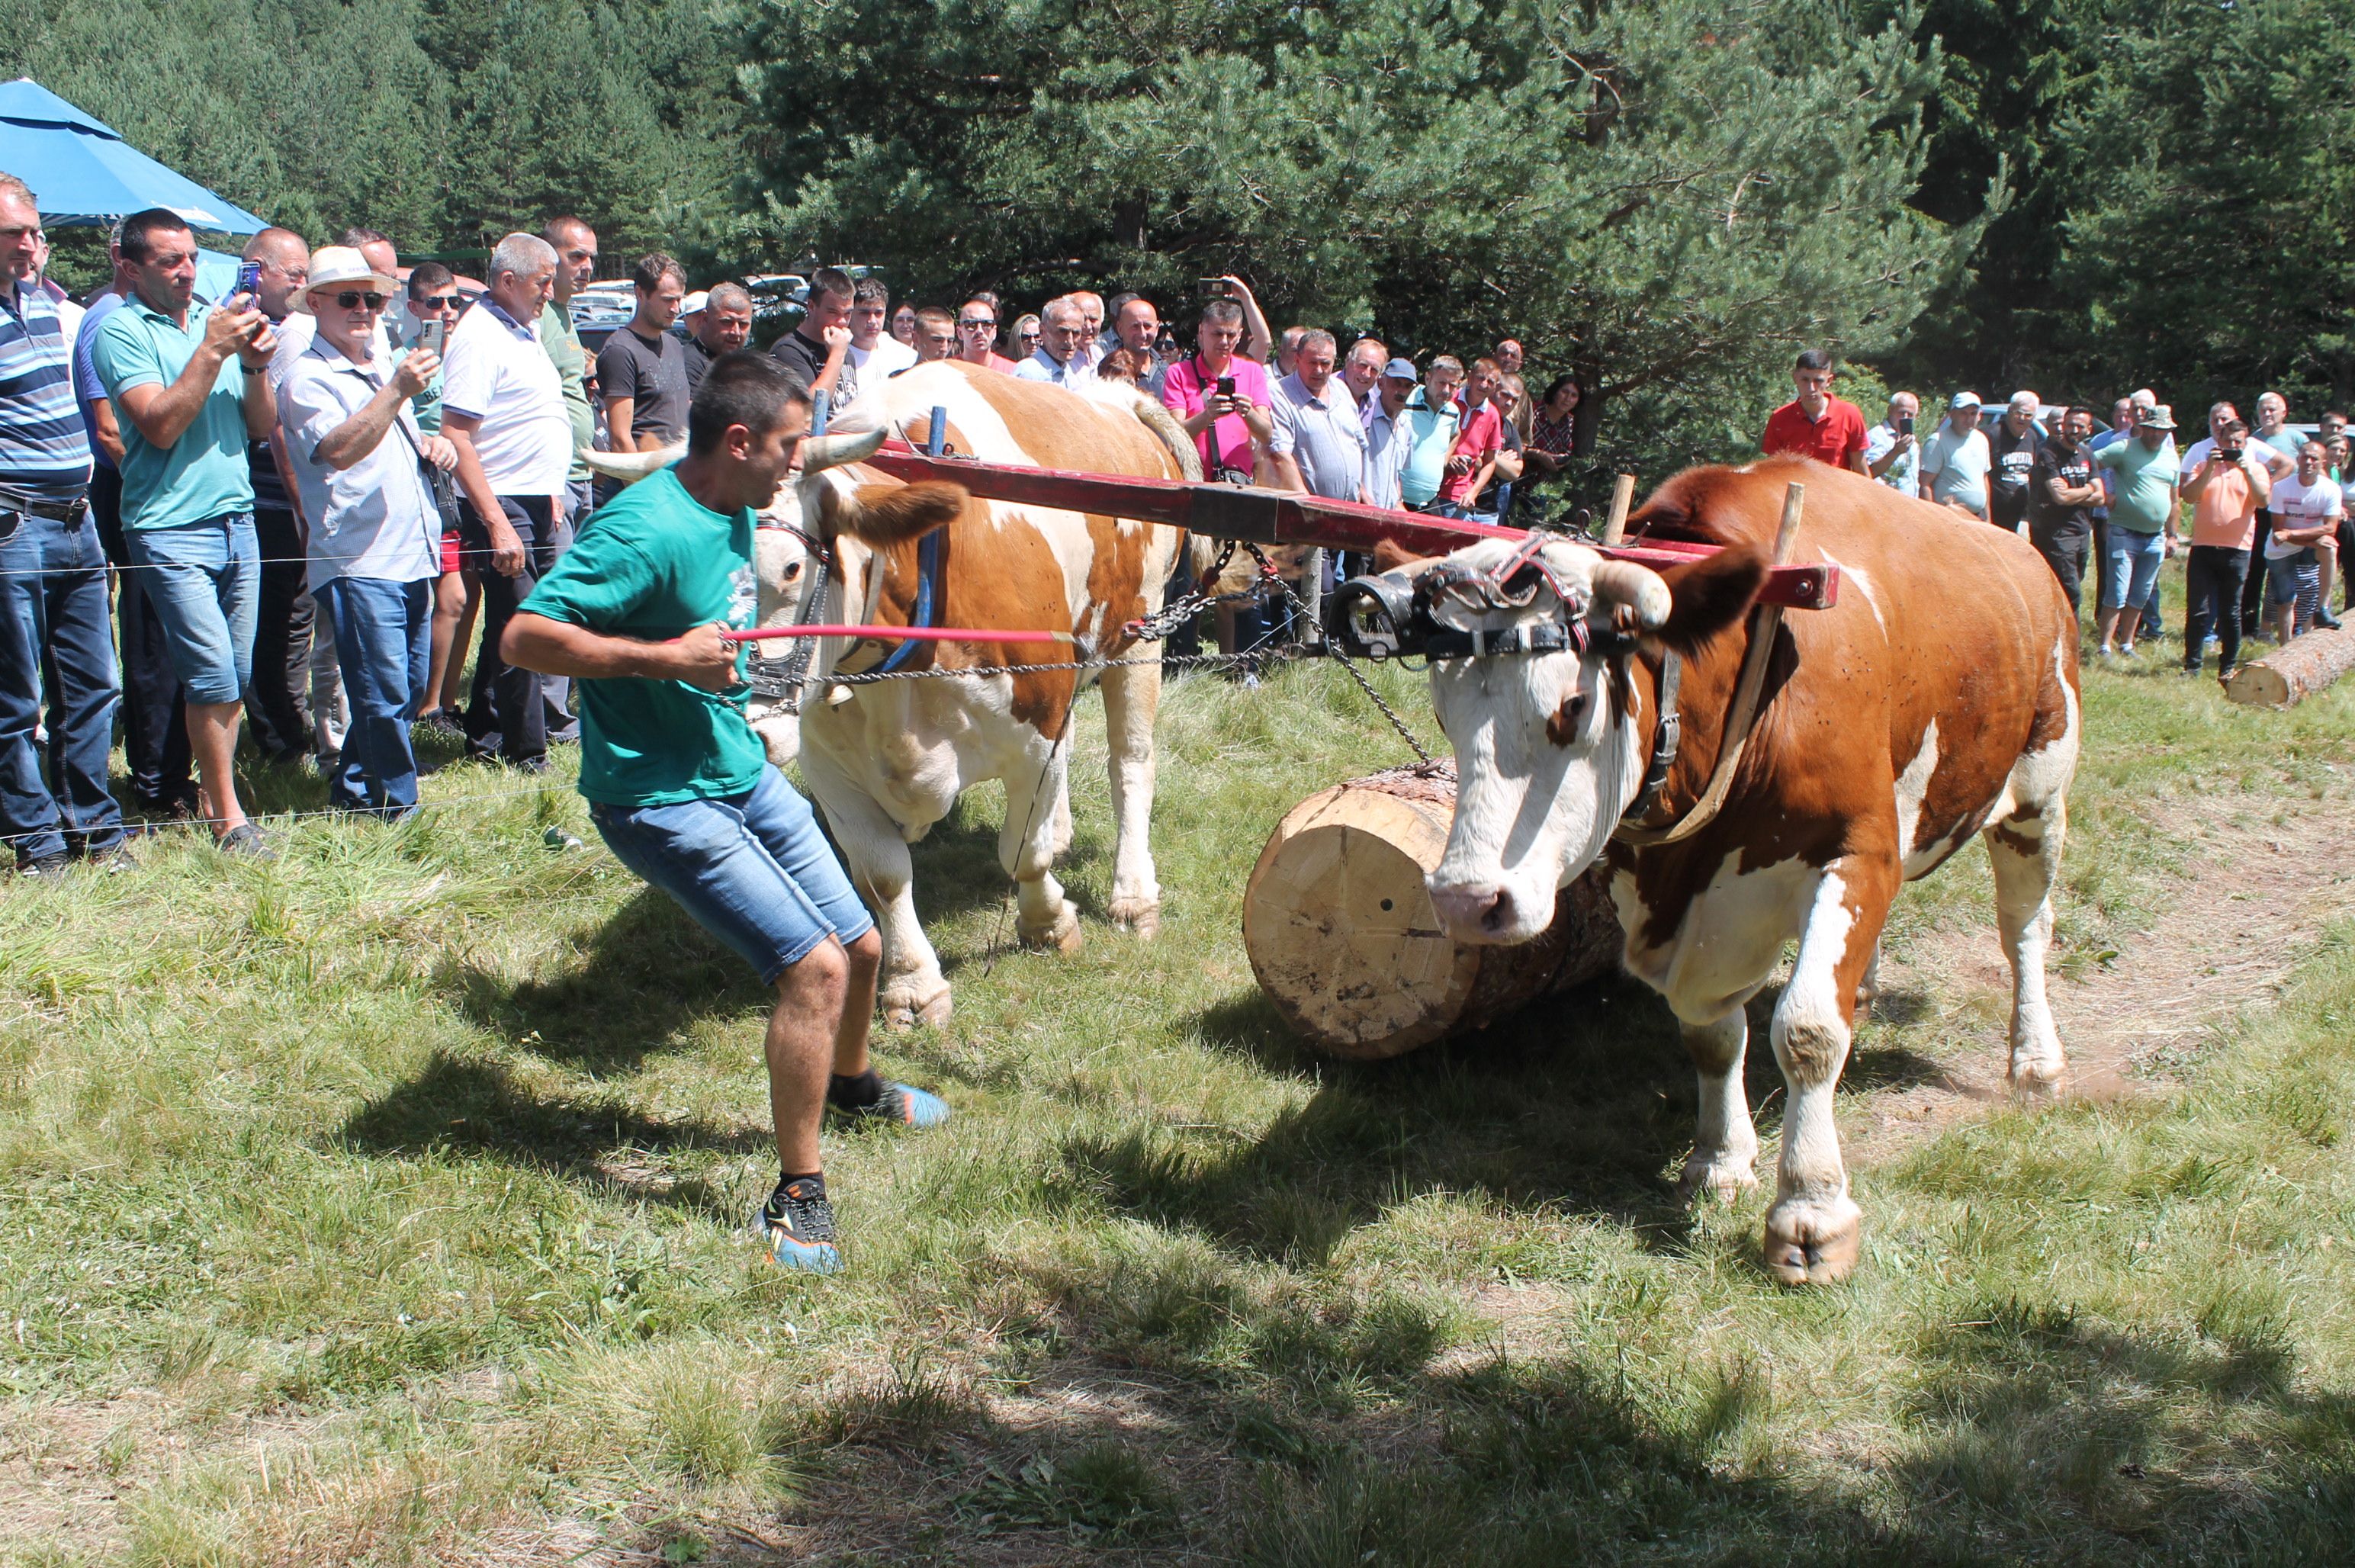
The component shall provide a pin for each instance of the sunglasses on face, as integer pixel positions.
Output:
(436, 302)
(352, 299)
(970, 323)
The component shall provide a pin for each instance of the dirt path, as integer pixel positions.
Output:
(2252, 897)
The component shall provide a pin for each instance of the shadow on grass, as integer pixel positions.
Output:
(1583, 1104)
(457, 1106)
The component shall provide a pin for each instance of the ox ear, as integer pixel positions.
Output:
(1391, 556)
(888, 514)
(1710, 595)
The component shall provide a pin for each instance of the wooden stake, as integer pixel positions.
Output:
(1622, 493)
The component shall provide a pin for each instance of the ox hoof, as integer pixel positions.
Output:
(1813, 1243)
(905, 1007)
(1722, 1179)
(1142, 916)
(2036, 1079)
(1061, 933)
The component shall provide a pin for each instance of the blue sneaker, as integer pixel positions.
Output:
(798, 1224)
(902, 1104)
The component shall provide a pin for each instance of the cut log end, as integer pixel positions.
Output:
(1341, 932)
(2290, 674)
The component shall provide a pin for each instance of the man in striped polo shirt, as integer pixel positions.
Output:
(52, 579)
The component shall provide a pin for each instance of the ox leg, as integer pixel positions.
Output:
(1814, 1231)
(1132, 699)
(909, 988)
(2026, 853)
(1723, 1163)
(1025, 848)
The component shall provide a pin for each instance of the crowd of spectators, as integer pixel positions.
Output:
(2263, 513)
(294, 510)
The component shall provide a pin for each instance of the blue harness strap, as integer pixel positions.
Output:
(927, 566)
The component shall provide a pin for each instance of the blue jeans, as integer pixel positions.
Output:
(53, 585)
(384, 641)
(2133, 567)
(205, 582)
(752, 868)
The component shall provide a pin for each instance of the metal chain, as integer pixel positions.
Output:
(1333, 649)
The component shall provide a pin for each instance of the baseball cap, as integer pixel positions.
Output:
(1962, 401)
(1404, 370)
(335, 266)
(695, 302)
(2159, 418)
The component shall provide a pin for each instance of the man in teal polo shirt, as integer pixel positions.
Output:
(187, 382)
(1431, 426)
(680, 788)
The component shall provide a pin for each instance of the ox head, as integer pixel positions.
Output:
(1547, 751)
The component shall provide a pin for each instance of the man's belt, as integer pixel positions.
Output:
(56, 511)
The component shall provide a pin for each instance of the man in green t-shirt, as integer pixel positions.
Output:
(680, 786)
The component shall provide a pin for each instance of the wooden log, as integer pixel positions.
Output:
(1342, 936)
(2288, 676)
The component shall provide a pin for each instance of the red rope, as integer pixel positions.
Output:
(915, 634)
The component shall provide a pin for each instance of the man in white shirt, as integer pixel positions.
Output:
(1390, 436)
(1891, 453)
(1060, 358)
(874, 354)
(1956, 463)
(375, 549)
(503, 408)
(2306, 507)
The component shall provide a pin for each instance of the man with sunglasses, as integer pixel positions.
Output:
(976, 323)
(360, 461)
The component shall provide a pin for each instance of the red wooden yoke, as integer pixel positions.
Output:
(1287, 517)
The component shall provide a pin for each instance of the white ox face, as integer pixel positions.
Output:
(1544, 762)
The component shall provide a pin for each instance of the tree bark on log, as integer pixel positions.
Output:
(1341, 932)
(2288, 676)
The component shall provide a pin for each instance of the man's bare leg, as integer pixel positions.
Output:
(212, 740)
(803, 1032)
(861, 960)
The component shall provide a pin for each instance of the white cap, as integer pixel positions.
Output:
(694, 301)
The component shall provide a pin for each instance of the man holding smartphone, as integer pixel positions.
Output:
(1891, 453)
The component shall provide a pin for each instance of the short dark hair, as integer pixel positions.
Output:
(426, 276)
(934, 315)
(1224, 311)
(830, 281)
(871, 291)
(1813, 360)
(2339, 414)
(141, 227)
(553, 230)
(355, 237)
(742, 388)
(653, 268)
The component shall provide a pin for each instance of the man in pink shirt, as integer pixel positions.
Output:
(1473, 460)
(1220, 396)
(2225, 489)
(977, 322)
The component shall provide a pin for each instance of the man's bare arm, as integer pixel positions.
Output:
(702, 657)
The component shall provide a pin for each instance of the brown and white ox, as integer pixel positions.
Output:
(1936, 700)
(887, 760)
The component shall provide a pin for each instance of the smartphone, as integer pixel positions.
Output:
(1906, 424)
(1226, 385)
(249, 281)
(2231, 454)
(1212, 285)
(431, 334)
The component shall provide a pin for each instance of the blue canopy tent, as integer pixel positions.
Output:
(84, 173)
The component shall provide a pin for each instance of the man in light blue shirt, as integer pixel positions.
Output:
(1891, 453)
(1318, 443)
(1061, 358)
(188, 385)
(1390, 438)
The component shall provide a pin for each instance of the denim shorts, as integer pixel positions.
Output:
(205, 582)
(753, 870)
(2133, 567)
(2289, 577)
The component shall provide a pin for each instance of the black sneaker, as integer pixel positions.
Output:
(798, 1225)
(246, 842)
(47, 868)
(113, 860)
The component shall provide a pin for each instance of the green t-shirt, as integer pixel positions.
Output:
(571, 362)
(203, 474)
(656, 564)
(2142, 501)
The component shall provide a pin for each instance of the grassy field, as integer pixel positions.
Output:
(388, 1204)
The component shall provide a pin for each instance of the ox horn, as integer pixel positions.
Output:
(1637, 587)
(629, 467)
(820, 452)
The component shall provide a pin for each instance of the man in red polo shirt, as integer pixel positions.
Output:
(1815, 423)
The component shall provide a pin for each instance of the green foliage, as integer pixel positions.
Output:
(1668, 196)
(439, 122)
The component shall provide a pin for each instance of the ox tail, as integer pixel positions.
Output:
(1171, 435)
